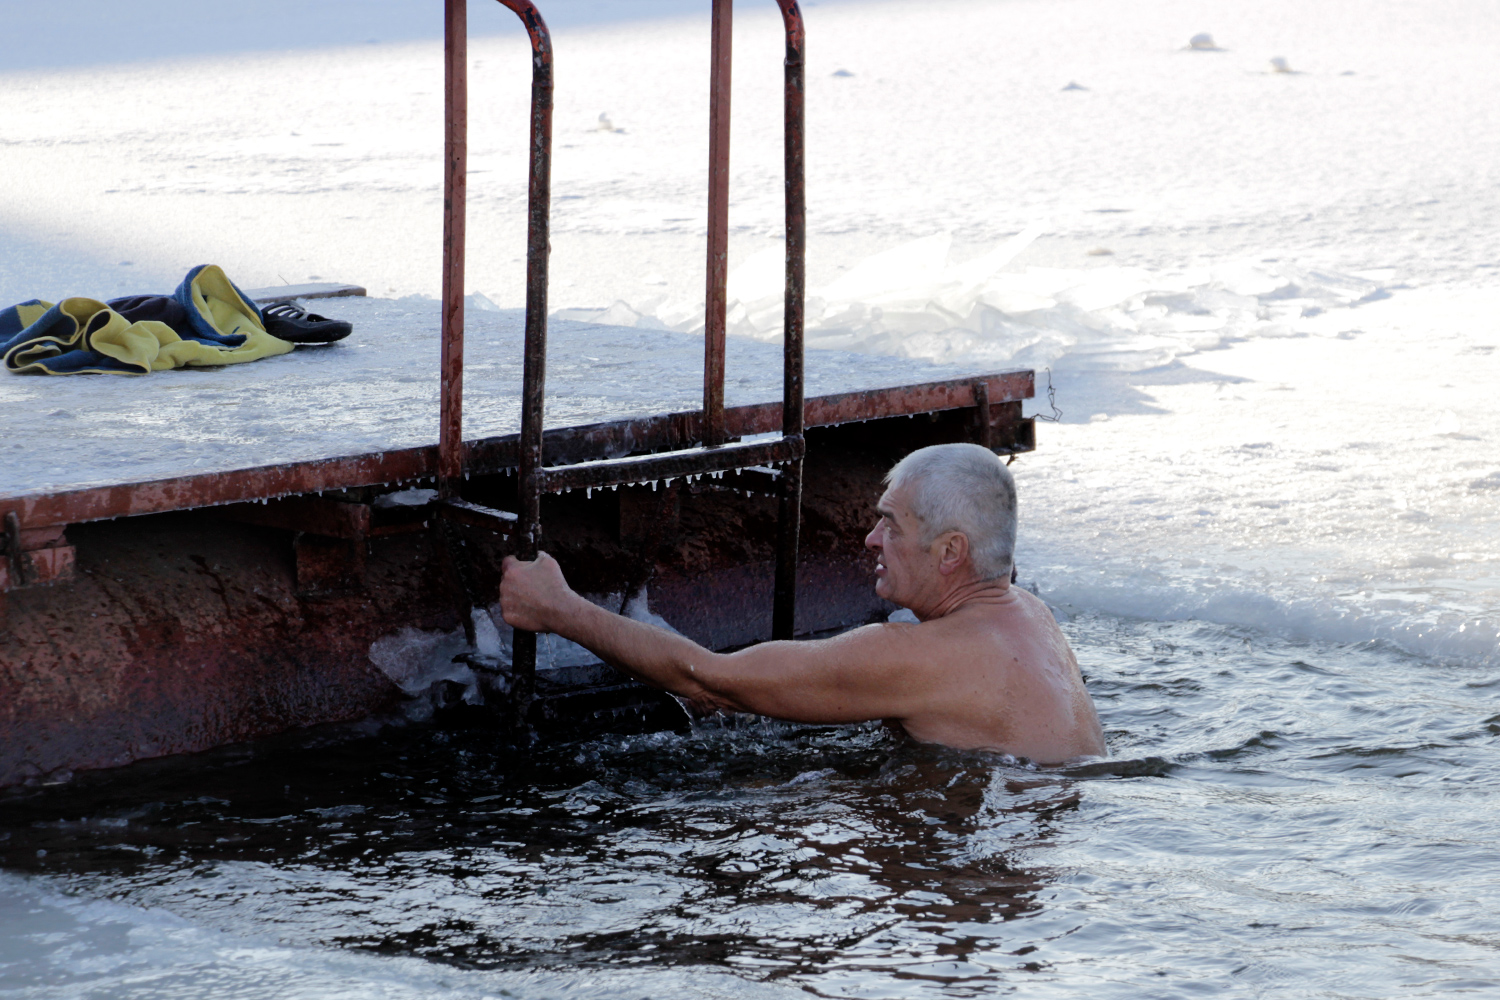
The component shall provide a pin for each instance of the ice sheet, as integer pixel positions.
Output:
(915, 301)
(1346, 488)
(278, 165)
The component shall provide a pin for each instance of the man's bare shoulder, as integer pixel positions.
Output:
(1036, 623)
(908, 657)
(999, 619)
(1033, 606)
(918, 657)
(895, 643)
(1014, 615)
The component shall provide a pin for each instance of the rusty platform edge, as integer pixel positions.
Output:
(564, 445)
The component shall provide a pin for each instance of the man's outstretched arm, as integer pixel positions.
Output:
(851, 678)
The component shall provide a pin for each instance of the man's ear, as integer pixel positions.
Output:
(953, 552)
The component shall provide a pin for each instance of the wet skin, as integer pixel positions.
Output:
(985, 667)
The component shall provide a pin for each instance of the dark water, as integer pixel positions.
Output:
(1278, 819)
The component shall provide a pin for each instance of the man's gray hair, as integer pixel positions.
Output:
(966, 488)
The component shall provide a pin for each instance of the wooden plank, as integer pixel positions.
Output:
(316, 290)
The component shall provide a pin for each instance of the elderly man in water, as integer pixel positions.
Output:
(984, 667)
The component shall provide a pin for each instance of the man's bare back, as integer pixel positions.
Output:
(986, 667)
(1005, 680)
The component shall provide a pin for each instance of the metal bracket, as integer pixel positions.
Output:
(15, 568)
(34, 557)
(986, 423)
(330, 535)
(312, 514)
(460, 511)
(328, 565)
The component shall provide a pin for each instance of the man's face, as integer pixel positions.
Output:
(905, 569)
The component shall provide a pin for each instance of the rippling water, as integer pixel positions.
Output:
(1279, 818)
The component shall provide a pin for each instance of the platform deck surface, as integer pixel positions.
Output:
(377, 391)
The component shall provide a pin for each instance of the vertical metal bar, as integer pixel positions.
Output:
(13, 554)
(789, 516)
(716, 294)
(538, 247)
(788, 527)
(534, 367)
(455, 177)
(986, 424)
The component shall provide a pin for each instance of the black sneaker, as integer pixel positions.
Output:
(290, 322)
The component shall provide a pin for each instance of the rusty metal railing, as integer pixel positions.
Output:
(789, 520)
(715, 451)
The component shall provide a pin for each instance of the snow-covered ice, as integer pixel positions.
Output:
(1343, 487)
(378, 390)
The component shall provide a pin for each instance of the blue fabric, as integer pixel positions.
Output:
(10, 322)
(59, 343)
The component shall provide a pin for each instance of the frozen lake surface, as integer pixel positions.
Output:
(1268, 304)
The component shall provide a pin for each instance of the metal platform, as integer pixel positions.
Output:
(395, 468)
(163, 614)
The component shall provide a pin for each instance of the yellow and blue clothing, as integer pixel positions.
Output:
(206, 322)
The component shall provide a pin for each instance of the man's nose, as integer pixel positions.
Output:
(872, 540)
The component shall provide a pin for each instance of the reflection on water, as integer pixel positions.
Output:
(1279, 818)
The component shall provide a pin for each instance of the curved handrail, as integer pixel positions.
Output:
(539, 200)
(538, 247)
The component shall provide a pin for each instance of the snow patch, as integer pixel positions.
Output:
(419, 661)
(913, 301)
(406, 498)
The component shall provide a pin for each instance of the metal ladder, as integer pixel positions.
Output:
(714, 451)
